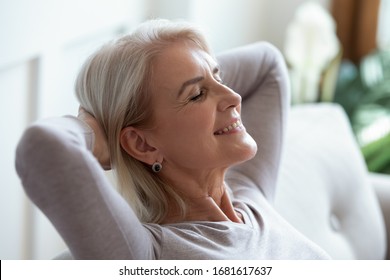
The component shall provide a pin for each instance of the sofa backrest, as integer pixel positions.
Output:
(323, 188)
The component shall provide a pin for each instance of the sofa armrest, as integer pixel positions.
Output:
(381, 185)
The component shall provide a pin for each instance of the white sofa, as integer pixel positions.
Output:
(325, 190)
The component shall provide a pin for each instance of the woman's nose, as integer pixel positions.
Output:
(228, 98)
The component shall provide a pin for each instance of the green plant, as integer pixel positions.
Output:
(377, 155)
(364, 93)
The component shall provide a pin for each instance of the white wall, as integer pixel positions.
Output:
(169, 9)
(383, 35)
(13, 106)
(43, 43)
(229, 23)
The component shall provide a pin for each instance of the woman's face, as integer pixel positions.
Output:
(197, 118)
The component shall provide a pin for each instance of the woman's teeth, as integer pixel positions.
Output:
(229, 128)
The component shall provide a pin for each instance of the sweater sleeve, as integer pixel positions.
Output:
(258, 72)
(62, 177)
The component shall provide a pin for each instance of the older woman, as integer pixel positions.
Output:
(160, 111)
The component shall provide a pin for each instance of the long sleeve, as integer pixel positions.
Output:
(259, 74)
(62, 177)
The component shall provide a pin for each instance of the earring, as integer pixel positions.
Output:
(156, 167)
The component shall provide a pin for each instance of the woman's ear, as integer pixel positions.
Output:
(133, 141)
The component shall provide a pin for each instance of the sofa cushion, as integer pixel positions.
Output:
(323, 188)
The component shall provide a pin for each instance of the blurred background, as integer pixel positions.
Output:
(336, 51)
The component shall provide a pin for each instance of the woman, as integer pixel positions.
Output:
(160, 111)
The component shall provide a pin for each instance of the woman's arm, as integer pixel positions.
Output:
(259, 74)
(63, 178)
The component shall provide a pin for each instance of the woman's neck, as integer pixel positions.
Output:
(211, 204)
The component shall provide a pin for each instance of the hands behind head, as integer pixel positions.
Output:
(100, 149)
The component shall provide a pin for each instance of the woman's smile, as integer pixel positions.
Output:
(231, 128)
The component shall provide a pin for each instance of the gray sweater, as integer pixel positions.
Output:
(62, 177)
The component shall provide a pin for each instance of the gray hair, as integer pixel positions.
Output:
(114, 86)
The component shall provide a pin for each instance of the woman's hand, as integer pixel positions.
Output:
(100, 149)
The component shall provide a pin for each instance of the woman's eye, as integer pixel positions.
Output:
(198, 96)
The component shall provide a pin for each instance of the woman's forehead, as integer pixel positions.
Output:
(178, 64)
(184, 55)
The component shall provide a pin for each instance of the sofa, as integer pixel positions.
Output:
(325, 190)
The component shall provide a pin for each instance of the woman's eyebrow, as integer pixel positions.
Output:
(188, 83)
(195, 80)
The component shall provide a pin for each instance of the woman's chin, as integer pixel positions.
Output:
(251, 150)
(247, 149)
